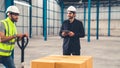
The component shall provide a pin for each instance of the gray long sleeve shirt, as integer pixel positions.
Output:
(2, 28)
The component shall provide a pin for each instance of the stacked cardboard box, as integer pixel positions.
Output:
(57, 61)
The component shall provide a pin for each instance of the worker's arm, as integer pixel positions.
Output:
(2, 34)
(7, 38)
(0, 37)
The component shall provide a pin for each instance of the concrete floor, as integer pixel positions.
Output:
(105, 51)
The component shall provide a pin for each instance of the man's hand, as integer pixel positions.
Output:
(71, 33)
(64, 34)
(21, 35)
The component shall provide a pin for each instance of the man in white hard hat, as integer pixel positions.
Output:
(8, 36)
(71, 30)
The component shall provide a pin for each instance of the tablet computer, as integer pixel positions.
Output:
(67, 31)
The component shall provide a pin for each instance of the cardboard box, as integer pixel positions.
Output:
(57, 61)
(39, 63)
(88, 59)
(70, 64)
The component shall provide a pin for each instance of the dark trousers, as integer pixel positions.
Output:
(71, 53)
(7, 61)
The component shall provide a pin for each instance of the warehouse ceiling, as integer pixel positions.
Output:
(24, 0)
(81, 3)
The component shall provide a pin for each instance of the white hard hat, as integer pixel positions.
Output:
(71, 8)
(13, 9)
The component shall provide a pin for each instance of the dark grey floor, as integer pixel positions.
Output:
(105, 51)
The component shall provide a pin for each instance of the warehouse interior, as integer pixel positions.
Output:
(42, 20)
(100, 17)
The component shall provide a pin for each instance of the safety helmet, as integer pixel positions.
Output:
(71, 8)
(12, 9)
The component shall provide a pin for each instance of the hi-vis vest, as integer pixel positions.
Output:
(10, 30)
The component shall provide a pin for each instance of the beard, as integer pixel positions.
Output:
(70, 17)
(14, 19)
